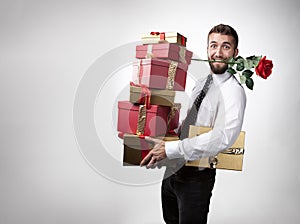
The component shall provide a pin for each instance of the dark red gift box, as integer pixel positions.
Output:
(166, 51)
(160, 74)
(154, 122)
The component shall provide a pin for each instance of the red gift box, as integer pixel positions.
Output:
(166, 51)
(153, 121)
(160, 74)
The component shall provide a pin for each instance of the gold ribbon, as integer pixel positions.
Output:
(139, 71)
(174, 108)
(141, 120)
(149, 53)
(171, 75)
(182, 54)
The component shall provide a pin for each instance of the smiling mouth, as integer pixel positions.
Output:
(218, 63)
(220, 60)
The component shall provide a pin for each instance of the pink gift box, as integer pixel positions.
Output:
(166, 51)
(160, 74)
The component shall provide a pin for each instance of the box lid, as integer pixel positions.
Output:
(162, 46)
(160, 62)
(134, 141)
(167, 34)
(126, 105)
(163, 92)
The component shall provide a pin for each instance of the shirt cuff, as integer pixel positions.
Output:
(173, 150)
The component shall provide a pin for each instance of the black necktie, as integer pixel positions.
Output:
(192, 114)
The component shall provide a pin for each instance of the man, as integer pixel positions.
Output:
(186, 191)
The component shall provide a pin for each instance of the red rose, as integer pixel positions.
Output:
(264, 68)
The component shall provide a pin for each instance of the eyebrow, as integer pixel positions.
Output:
(226, 42)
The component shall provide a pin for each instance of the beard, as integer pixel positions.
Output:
(218, 68)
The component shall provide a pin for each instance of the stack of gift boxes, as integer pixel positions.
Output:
(160, 71)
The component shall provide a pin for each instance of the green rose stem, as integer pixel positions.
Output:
(243, 68)
(223, 61)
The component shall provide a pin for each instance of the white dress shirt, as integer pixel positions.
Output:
(222, 109)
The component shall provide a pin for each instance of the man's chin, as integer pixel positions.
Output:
(218, 68)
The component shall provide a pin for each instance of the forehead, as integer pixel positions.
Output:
(220, 38)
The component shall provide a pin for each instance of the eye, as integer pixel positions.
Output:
(226, 47)
(213, 46)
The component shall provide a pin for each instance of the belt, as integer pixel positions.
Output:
(186, 171)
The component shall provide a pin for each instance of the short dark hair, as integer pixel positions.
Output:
(225, 30)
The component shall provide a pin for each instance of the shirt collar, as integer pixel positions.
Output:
(220, 78)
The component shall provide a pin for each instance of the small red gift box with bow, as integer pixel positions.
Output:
(163, 37)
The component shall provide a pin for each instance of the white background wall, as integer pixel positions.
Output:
(48, 46)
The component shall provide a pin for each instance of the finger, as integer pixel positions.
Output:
(146, 159)
(154, 140)
(151, 163)
(159, 165)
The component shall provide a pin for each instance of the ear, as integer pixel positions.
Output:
(236, 52)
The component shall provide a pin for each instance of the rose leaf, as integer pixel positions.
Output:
(249, 83)
(247, 73)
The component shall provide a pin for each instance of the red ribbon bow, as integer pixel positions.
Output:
(155, 33)
(182, 40)
(161, 35)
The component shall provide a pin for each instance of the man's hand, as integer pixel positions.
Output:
(156, 155)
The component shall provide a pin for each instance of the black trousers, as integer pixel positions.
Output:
(186, 195)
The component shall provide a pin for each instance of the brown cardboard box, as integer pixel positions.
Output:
(136, 148)
(158, 96)
(230, 159)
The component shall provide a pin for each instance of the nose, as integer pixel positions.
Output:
(219, 52)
